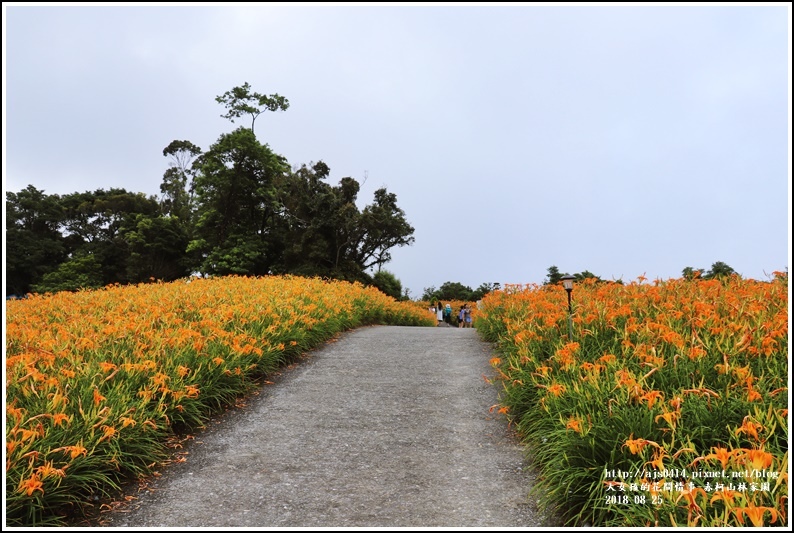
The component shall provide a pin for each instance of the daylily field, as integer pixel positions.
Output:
(98, 383)
(668, 405)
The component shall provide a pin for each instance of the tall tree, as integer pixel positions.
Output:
(554, 276)
(177, 185)
(484, 289)
(719, 270)
(586, 274)
(326, 233)
(241, 101)
(308, 210)
(691, 273)
(429, 294)
(237, 207)
(453, 290)
(383, 227)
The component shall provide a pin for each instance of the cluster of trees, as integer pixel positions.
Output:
(236, 208)
(450, 290)
(718, 270)
(554, 276)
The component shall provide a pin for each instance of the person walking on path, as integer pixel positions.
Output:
(440, 313)
(467, 316)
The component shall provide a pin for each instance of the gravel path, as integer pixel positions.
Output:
(385, 427)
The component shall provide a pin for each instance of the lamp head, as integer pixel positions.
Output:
(567, 282)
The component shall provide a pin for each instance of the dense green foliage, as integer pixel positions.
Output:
(388, 284)
(554, 276)
(453, 290)
(718, 270)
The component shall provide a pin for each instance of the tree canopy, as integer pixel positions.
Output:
(237, 208)
(388, 284)
(718, 270)
(241, 101)
(454, 290)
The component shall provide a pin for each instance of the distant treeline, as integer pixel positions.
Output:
(718, 270)
(453, 290)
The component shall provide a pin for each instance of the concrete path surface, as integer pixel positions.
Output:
(384, 427)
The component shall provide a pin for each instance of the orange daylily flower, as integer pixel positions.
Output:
(60, 418)
(696, 352)
(676, 403)
(726, 495)
(48, 470)
(574, 424)
(160, 379)
(607, 358)
(106, 367)
(556, 389)
(544, 370)
(75, 451)
(637, 445)
(109, 432)
(671, 417)
(651, 397)
(625, 378)
(755, 514)
(30, 485)
(15, 412)
(750, 428)
(757, 459)
(656, 462)
(690, 494)
(26, 434)
(11, 445)
(723, 455)
(753, 395)
(98, 398)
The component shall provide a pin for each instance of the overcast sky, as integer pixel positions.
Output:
(623, 140)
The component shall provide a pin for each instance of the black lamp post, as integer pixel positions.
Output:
(567, 282)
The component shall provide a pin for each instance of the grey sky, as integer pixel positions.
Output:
(623, 140)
